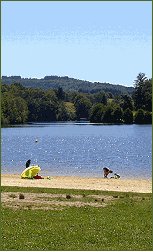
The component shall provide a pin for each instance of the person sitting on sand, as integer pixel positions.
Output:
(106, 171)
(28, 163)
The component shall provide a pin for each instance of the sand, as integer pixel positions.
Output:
(89, 183)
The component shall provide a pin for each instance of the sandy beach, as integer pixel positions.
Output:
(66, 182)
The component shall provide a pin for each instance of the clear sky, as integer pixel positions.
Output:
(105, 41)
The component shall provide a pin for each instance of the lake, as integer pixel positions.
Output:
(78, 149)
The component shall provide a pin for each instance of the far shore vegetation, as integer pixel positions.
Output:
(69, 219)
(98, 104)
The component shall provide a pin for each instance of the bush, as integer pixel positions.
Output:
(97, 113)
(117, 115)
(148, 117)
(4, 121)
(140, 116)
(107, 117)
(128, 116)
(62, 112)
(68, 196)
(83, 106)
(21, 196)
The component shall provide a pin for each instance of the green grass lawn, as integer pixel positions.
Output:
(121, 221)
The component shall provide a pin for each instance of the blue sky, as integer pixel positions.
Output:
(105, 41)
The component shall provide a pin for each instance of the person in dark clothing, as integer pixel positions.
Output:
(28, 163)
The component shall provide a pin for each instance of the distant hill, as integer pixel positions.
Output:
(67, 84)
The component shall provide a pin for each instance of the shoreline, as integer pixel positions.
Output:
(86, 183)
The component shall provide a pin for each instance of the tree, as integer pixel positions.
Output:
(42, 105)
(100, 98)
(140, 116)
(49, 96)
(82, 106)
(128, 116)
(21, 110)
(117, 115)
(109, 95)
(76, 97)
(107, 117)
(139, 97)
(5, 119)
(147, 91)
(127, 102)
(47, 111)
(5, 88)
(62, 112)
(17, 90)
(72, 96)
(60, 93)
(97, 112)
(33, 108)
(13, 110)
(71, 111)
(148, 117)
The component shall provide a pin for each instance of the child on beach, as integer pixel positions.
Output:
(106, 171)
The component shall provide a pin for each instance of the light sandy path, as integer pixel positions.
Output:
(66, 182)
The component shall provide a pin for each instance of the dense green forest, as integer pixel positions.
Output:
(21, 104)
(67, 84)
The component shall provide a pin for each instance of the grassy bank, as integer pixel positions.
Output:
(63, 219)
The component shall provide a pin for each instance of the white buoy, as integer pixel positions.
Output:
(36, 141)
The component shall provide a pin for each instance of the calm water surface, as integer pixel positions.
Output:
(78, 149)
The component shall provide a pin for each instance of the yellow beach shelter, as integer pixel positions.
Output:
(30, 172)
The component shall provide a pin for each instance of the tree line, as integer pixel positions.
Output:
(20, 104)
(68, 84)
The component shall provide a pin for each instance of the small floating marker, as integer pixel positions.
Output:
(36, 141)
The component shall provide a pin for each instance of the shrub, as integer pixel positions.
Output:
(21, 196)
(97, 113)
(148, 117)
(107, 117)
(139, 116)
(128, 116)
(12, 196)
(117, 115)
(4, 121)
(68, 196)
